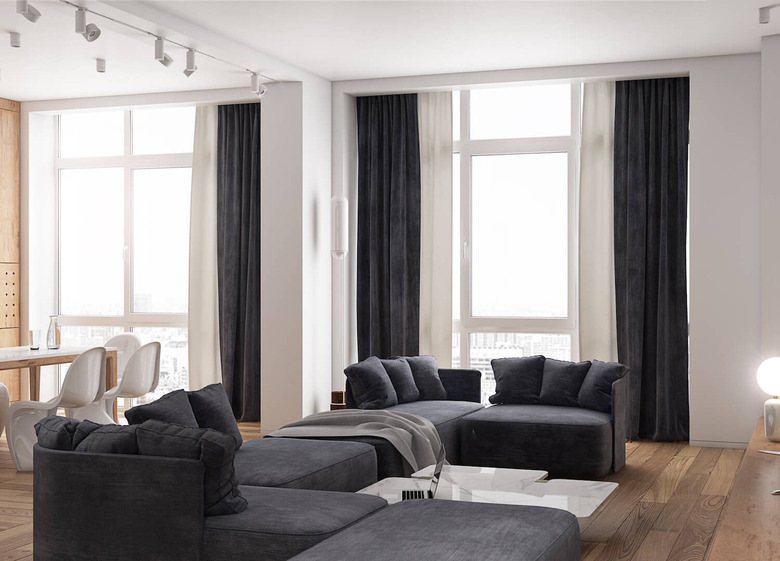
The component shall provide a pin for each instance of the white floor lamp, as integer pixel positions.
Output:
(339, 248)
(768, 377)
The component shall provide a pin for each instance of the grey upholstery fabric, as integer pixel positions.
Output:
(306, 464)
(56, 433)
(449, 530)
(371, 384)
(173, 407)
(400, 374)
(462, 384)
(426, 377)
(108, 439)
(596, 390)
(619, 422)
(93, 507)
(565, 441)
(562, 381)
(212, 410)
(280, 523)
(518, 380)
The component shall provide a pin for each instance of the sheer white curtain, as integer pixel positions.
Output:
(434, 112)
(203, 314)
(597, 324)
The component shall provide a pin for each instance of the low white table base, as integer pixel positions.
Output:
(501, 486)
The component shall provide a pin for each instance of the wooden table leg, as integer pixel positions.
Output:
(35, 383)
(111, 376)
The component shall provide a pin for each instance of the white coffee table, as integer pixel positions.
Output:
(501, 486)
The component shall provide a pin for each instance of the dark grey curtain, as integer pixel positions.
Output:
(651, 193)
(238, 255)
(388, 230)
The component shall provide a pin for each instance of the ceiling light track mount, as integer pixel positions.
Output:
(764, 13)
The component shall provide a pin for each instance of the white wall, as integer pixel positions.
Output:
(724, 190)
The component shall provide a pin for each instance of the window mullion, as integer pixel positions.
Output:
(128, 222)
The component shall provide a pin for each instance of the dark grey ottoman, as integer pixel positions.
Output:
(280, 523)
(306, 464)
(567, 442)
(432, 530)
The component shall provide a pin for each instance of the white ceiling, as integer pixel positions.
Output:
(353, 40)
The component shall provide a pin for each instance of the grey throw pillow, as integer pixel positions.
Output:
(371, 385)
(562, 381)
(518, 380)
(56, 433)
(214, 449)
(426, 377)
(173, 407)
(109, 439)
(212, 410)
(596, 390)
(400, 374)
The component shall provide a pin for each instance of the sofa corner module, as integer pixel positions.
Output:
(619, 421)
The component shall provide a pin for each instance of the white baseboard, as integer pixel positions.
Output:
(718, 444)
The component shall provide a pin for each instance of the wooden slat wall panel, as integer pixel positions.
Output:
(9, 295)
(11, 378)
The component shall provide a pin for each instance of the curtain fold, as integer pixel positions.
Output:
(388, 228)
(435, 128)
(238, 255)
(597, 321)
(203, 308)
(650, 206)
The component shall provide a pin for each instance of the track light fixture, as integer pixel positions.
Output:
(257, 88)
(92, 32)
(81, 21)
(100, 65)
(159, 52)
(29, 12)
(16, 40)
(190, 69)
(261, 91)
(763, 13)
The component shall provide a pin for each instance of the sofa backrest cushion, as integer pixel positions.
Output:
(106, 439)
(212, 410)
(596, 390)
(214, 449)
(426, 377)
(562, 381)
(173, 407)
(400, 374)
(371, 385)
(56, 433)
(518, 380)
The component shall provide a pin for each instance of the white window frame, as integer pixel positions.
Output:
(467, 148)
(129, 163)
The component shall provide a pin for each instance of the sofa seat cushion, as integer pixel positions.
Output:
(306, 464)
(280, 523)
(564, 441)
(446, 417)
(435, 530)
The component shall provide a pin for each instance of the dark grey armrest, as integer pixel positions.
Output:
(619, 421)
(125, 507)
(462, 384)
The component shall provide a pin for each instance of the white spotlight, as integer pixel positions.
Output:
(262, 90)
(92, 32)
(16, 40)
(101, 65)
(29, 12)
(255, 83)
(191, 67)
(159, 52)
(81, 21)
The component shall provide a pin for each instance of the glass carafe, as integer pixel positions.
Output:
(53, 335)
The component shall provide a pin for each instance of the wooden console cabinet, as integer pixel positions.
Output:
(9, 236)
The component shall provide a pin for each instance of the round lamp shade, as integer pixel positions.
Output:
(768, 376)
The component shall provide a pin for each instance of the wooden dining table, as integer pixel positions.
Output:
(24, 357)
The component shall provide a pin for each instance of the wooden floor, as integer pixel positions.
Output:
(667, 506)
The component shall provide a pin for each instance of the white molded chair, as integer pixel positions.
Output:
(142, 373)
(83, 383)
(5, 401)
(125, 344)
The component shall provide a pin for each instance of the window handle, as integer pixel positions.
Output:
(465, 250)
(124, 254)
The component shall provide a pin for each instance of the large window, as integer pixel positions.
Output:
(123, 200)
(515, 158)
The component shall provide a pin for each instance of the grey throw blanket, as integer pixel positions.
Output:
(415, 438)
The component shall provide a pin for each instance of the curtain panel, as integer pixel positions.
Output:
(388, 228)
(650, 212)
(203, 308)
(238, 255)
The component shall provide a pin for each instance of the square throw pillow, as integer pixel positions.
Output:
(518, 380)
(212, 410)
(56, 433)
(109, 439)
(562, 381)
(214, 449)
(426, 376)
(371, 385)
(596, 390)
(173, 407)
(400, 374)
